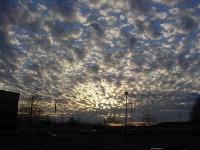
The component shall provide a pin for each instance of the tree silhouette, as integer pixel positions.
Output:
(112, 119)
(195, 111)
(75, 120)
(30, 110)
(148, 117)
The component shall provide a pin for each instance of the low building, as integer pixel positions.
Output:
(8, 110)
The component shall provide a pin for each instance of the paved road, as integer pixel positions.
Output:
(101, 142)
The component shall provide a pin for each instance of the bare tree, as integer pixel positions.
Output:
(148, 117)
(195, 111)
(112, 119)
(30, 111)
(75, 120)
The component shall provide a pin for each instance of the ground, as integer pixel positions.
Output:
(104, 141)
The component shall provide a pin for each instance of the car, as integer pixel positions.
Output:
(156, 149)
(87, 131)
(131, 132)
(48, 134)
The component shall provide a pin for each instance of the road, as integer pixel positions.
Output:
(100, 142)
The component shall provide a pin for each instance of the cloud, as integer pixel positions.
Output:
(63, 13)
(95, 4)
(111, 20)
(139, 7)
(85, 54)
(168, 3)
(187, 23)
(93, 69)
(97, 28)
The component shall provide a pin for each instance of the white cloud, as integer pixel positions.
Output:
(42, 7)
(168, 2)
(111, 20)
(167, 26)
(118, 4)
(94, 3)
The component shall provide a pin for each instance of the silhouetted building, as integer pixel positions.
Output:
(8, 110)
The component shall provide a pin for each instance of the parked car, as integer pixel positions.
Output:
(131, 132)
(87, 131)
(156, 149)
(48, 134)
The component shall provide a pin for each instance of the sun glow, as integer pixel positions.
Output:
(99, 96)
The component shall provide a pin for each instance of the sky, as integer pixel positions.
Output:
(84, 54)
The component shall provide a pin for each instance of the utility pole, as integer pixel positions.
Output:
(131, 113)
(126, 93)
(55, 120)
(30, 121)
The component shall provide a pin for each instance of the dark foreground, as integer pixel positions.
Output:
(102, 142)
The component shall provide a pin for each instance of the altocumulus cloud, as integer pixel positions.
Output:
(86, 54)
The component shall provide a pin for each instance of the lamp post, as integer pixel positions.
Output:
(62, 117)
(131, 112)
(55, 120)
(39, 118)
(126, 93)
(30, 121)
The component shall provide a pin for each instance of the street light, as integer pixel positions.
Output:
(55, 119)
(131, 112)
(126, 93)
(62, 117)
(30, 121)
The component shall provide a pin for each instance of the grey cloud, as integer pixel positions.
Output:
(118, 83)
(150, 30)
(53, 66)
(113, 59)
(7, 72)
(188, 24)
(58, 30)
(4, 42)
(186, 19)
(93, 68)
(80, 78)
(182, 61)
(153, 30)
(61, 31)
(102, 89)
(26, 18)
(4, 20)
(168, 64)
(36, 68)
(131, 42)
(126, 31)
(139, 62)
(33, 25)
(119, 54)
(8, 54)
(63, 12)
(139, 7)
(80, 53)
(69, 58)
(109, 77)
(44, 42)
(28, 80)
(98, 28)
(96, 78)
